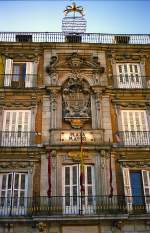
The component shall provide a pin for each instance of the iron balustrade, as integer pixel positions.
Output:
(133, 138)
(61, 37)
(57, 206)
(17, 139)
(133, 82)
(19, 81)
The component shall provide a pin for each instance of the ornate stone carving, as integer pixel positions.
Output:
(42, 227)
(135, 164)
(76, 99)
(51, 68)
(16, 165)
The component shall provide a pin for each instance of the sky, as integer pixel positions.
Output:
(103, 16)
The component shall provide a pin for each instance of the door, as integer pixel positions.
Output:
(19, 75)
(73, 202)
(137, 188)
(13, 193)
(16, 128)
(129, 75)
(135, 127)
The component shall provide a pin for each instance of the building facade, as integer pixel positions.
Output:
(67, 103)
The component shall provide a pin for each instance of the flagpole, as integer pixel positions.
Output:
(81, 172)
(110, 172)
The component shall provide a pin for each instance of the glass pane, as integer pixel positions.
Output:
(74, 175)
(22, 181)
(16, 71)
(16, 181)
(145, 180)
(89, 175)
(67, 175)
(9, 181)
(22, 198)
(4, 182)
(75, 195)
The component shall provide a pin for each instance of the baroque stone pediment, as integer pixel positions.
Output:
(135, 164)
(16, 165)
(74, 62)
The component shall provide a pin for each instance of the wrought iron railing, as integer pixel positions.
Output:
(17, 139)
(18, 81)
(102, 38)
(62, 206)
(131, 82)
(133, 138)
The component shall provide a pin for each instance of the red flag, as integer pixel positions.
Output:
(110, 176)
(81, 166)
(49, 175)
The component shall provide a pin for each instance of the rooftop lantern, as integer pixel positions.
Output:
(75, 23)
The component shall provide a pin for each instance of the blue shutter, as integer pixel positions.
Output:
(24, 72)
(137, 188)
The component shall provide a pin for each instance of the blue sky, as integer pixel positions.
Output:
(104, 16)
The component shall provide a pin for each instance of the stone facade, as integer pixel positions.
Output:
(76, 105)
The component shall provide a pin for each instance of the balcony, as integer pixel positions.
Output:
(131, 82)
(65, 206)
(73, 137)
(60, 37)
(19, 81)
(133, 138)
(17, 139)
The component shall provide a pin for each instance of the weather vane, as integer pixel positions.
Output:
(74, 8)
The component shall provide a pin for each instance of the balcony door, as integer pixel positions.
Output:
(73, 202)
(19, 74)
(137, 189)
(135, 127)
(13, 193)
(129, 75)
(16, 128)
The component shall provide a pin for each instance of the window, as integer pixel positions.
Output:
(16, 128)
(129, 75)
(137, 188)
(13, 193)
(135, 127)
(20, 74)
(71, 189)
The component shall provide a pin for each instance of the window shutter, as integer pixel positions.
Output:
(129, 75)
(127, 188)
(146, 188)
(8, 72)
(29, 74)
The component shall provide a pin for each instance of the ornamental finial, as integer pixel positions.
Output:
(74, 8)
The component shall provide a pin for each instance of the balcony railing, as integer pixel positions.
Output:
(133, 138)
(17, 139)
(19, 81)
(133, 82)
(63, 206)
(28, 37)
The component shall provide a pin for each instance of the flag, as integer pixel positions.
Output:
(110, 175)
(49, 175)
(81, 166)
(117, 137)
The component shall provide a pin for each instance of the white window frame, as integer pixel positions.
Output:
(11, 204)
(135, 127)
(129, 75)
(31, 71)
(128, 190)
(74, 209)
(16, 128)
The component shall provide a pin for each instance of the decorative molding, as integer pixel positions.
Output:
(16, 165)
(135, 164)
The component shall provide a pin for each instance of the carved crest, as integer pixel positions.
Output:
(76, 99)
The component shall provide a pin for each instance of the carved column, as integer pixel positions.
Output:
(98, 109)
(103, 173)
(93, 111)
(55, 108)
